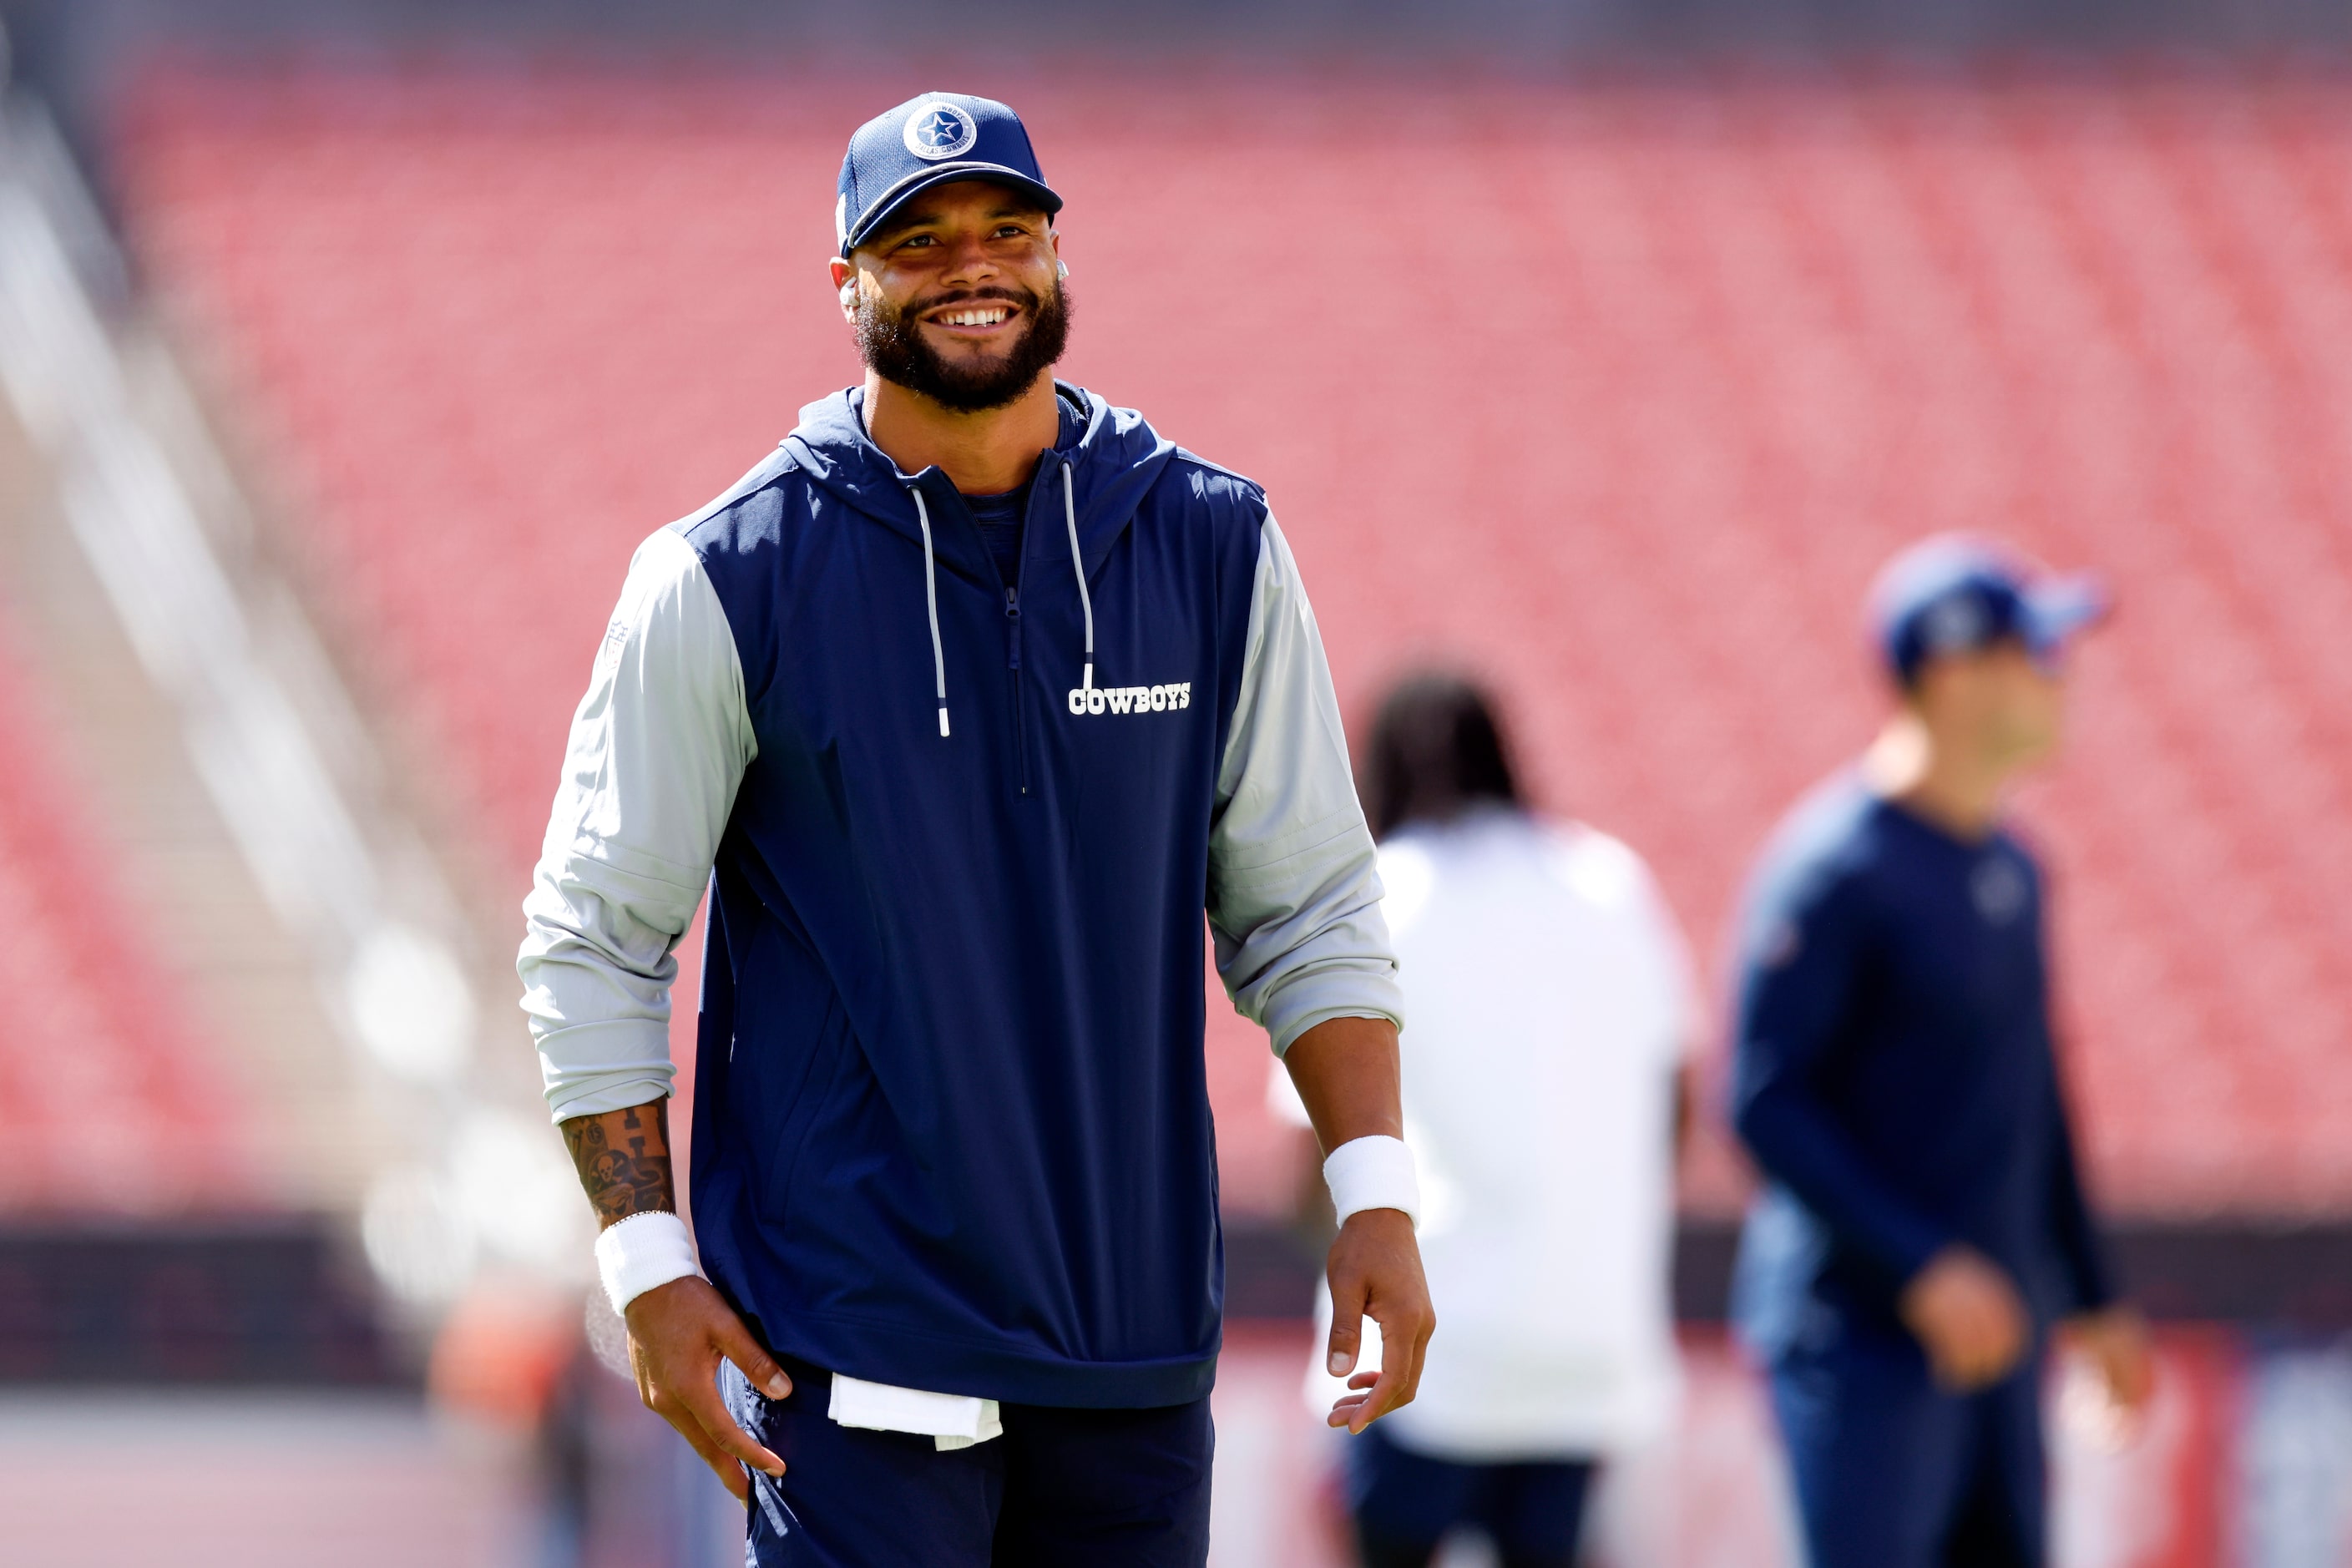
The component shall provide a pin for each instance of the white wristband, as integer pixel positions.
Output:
(636, 1254)
(1374, 1173)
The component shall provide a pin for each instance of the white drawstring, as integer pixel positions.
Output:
(1078, 565)
(931, 591)
(932, 602)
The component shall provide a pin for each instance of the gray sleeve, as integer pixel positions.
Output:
(657, 748)
(1294, 894)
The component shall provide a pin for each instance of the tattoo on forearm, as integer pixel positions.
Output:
(623, 1157)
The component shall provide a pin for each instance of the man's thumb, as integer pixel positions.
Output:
(1347, 1326)
(736, 1343)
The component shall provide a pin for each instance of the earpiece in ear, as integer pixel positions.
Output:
(1061, 267)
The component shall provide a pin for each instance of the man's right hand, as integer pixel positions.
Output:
(1967, 1315)
(678, 1334)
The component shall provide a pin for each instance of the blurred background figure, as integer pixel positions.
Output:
(1548, 1010)
(1923, 1223)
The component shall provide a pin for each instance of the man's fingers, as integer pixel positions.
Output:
(1424, 1323)
(1976, 1342)
(2008, 1343)
(736, 1343)
(1399, 1374)
(730, 1474)
(1402, 1346)
(1346, 1323)
(1972, 1348)
(1388, 1389)
(1359, 1386)
(2132, 1376)
(704, 1406)
(1980, 1353)
(1986, 1353)
(1382, 1397)
(1958, 1358)
(682, 1422)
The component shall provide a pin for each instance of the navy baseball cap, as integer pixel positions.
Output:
(1953, 594)
(931, 140)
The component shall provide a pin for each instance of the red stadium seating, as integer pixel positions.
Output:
(110, 1101)
(1616, 393)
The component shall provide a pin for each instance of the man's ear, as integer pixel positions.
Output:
(844, 286)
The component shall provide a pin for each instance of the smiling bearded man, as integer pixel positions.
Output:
(964, 703)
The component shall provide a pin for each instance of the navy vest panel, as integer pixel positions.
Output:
(952, 1127)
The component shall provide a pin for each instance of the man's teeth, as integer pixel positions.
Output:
(988, 318)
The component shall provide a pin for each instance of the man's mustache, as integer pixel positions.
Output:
(1021, 297)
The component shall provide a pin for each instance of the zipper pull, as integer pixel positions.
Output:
(1012, 616)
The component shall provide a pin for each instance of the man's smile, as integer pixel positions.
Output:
(974, 321)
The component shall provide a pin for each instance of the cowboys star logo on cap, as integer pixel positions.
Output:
(937, 130)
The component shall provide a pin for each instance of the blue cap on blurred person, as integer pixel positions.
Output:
(1954, 594)
(931, 141)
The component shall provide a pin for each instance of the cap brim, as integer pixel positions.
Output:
(2058, 608)
(891, 201)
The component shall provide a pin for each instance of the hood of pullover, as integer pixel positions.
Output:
(1113, 463)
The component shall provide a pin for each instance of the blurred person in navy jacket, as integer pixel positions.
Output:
(1550, 1009)
(1922, 1227)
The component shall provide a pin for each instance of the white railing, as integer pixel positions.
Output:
(476, 1183)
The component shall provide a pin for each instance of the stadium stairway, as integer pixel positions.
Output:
(174, 1021)
(170, 1149)
(110, 1097)
(190, 1132)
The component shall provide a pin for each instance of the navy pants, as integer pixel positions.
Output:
(1893, 1472)
(1405, 1502)
(1060, 1489)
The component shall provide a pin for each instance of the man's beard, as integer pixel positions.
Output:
(894, 349)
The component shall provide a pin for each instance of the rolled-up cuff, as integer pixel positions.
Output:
(589, 1069)
(1300, 1003)
(609, 1091)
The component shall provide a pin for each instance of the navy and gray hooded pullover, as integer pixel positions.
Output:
(952, 1127)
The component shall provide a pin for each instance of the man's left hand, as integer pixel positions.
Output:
(2115, 1342)
(1375, 1271)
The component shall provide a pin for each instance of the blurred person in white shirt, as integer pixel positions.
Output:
(1548, 1015)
